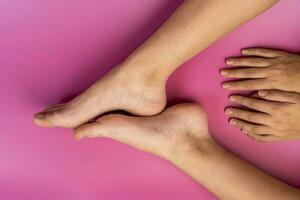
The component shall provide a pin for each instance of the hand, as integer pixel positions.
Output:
(276, 115)
(264, 69)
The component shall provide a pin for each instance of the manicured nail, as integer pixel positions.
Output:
(224, 72)
(228, 111)
(225, 85)
(232, 122)
(232, 99)
(39, 116)
(262, 93)
(229, 61)
(245, 51)
(244, 131)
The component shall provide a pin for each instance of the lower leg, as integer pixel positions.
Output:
(180, 135)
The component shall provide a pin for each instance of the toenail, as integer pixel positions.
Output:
(39, 116)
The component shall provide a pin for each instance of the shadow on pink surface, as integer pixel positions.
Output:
(52, 50)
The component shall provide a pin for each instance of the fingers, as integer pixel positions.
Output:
(281, 96)
(255, 95)
(248, 62)
(256, 84)
(248, 127)
(254, 117)
(260, 133)
(244, 73)
(262, 52)
(262, 138)
(253, 103)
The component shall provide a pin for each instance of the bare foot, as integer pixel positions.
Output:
(118, 90)
(178, 126)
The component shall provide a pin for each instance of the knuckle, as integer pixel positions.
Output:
(265, 139)
(251, 103)
(249, 116)
(283, 53)
(277, 70)
(254, 61)
(238, 72)
(254, 130)
(263, 51)
(245, 84)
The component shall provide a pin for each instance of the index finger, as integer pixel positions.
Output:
(254, 103)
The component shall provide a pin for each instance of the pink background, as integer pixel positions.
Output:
(51, 50)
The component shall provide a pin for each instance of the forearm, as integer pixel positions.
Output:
(194, 25)
(229, 177)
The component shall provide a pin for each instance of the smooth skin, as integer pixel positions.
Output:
(276, 74)
(137, 85)
(180, 135)
(273, 117)
(264, 69)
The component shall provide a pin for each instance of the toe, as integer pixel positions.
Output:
(111, 126)
(54, 107)
(88, 130)
(49, 119)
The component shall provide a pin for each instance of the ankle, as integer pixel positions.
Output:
(144, 72)
(204, 147)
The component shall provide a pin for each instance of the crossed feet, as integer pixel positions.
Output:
(183, 125)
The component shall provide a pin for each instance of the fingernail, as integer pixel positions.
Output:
(225, 85)
(232, 122)
(232, 99)
(39, 116)
(224, 72)
(229, 61)
(228, 111)
(245, 51)
(79, 137)
(244, 131)
(262, 93)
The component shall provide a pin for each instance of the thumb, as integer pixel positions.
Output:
(278, 95)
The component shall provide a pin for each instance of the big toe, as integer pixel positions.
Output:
(115, 126)
(50, 118)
